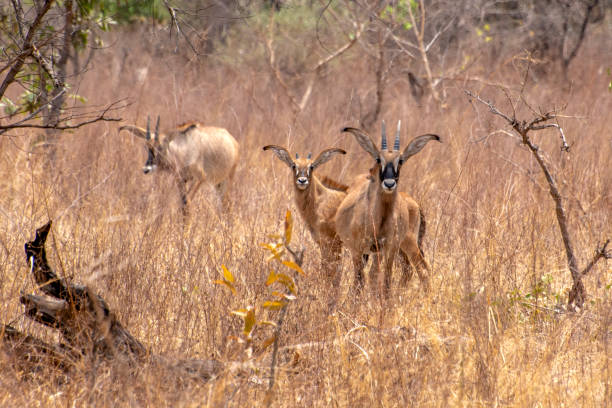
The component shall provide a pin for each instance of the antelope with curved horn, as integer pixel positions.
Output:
(317, 201)
(375, 218)
(192, 152)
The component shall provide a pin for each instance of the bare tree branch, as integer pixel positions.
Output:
(577, 295)
(26, 47)
(100, 116)
(299, 103)
(600, 252)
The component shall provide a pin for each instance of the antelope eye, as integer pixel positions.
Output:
(378, 160)
(293, 166)
(310, 168)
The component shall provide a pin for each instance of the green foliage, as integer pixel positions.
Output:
(542, 297)
(399, 13)
(484, 33)
(298, 31)
(125, 12)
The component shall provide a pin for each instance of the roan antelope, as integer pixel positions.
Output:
(192, 152)
(317, 201)
(375, 218)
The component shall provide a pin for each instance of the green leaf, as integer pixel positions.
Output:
(9, 107)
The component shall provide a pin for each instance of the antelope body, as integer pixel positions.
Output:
(317, 201)
(375, 218)
(192, 152)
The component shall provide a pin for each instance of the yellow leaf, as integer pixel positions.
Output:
(288, 227)
(294, 266)
(269, 341)
(240, 312)
(283, 279)
(273, 305)
(283, 295)
(276, 254)
(271, 278)
(267, 322)
(227, 274)
(249, 322)
(226, 283)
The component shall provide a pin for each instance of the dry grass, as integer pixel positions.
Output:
(474, 340)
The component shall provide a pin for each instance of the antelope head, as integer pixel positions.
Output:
(153, 148)
(389, 162)
(303, 167)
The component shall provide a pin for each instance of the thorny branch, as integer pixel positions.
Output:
(577, 294)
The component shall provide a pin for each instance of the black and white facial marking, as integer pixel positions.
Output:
(389, 162)
(152, 143)
(389, 171)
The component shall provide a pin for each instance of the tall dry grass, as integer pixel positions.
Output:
(487, 334)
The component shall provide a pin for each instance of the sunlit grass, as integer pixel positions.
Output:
(485, 335)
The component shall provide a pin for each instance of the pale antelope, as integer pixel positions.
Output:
(317, 201)
(192, 152)
(375, 218)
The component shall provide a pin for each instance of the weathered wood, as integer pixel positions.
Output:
(83, 318)
(89, 328)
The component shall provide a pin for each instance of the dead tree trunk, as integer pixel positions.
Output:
(577, 294)
(90, 330)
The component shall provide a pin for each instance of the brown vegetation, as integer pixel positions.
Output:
(492, 331)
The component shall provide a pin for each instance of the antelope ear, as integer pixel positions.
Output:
(41, 234)
(135, 130)
(364, 141)
(281, 153)
(417, 144)
(325, 155)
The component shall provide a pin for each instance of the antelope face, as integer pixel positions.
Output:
(389, 162)
(303, 168)
(153, 147)
(388, 166)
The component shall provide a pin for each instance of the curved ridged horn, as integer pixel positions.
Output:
(383, 143)
(157, 129)
(396, 145)
(297, 156)
(309, 156)
(148, 134)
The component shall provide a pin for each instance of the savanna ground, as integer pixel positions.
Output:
(492, 331)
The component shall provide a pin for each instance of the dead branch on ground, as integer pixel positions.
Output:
(90, 330)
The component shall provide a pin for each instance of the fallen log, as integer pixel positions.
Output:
(90, 330)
